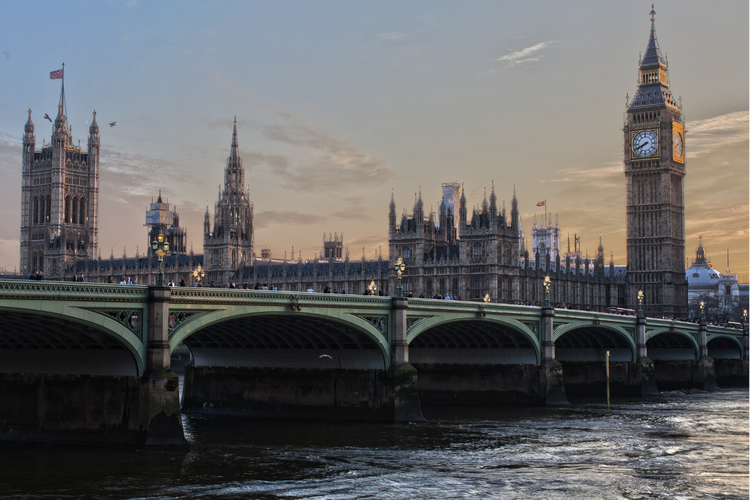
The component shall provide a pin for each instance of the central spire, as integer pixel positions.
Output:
(653, 55)
(235, 146)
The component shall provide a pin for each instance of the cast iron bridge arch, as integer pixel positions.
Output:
(104, 329)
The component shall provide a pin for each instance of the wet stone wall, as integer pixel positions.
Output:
(292, 393)
(484, 385)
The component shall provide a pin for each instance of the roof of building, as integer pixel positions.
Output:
(700, 273)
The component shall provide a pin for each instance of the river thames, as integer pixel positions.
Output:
(680, 445)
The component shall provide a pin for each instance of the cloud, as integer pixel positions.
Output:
(266, 219)
(323, 162)
(137, 174)
(279, 162)
(703, 136)
(372, 245)
(582, 179)
(525, 56)
(391, 36)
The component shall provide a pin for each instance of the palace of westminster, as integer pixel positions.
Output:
(456, 252)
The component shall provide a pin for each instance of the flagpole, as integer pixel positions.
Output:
(545, 206)
(63, 89)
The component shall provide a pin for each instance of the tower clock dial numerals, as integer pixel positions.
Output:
(644, 143)
(678, 146)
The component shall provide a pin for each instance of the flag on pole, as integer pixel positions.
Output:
(56, 75)
(542, 203)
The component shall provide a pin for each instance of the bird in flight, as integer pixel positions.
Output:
(112, 124)
(46, 117)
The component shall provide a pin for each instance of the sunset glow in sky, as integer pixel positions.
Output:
(337, 103)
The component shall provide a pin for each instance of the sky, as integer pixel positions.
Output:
(338, 103)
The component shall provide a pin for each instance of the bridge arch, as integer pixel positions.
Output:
(473, 340)
(63, 339)
(280, 338)
(669, 343)
(589, 341)
(722, 346)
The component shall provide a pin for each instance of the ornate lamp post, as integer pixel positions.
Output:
(640, 303)
(547, 283)
(372, 288)
(399, 267)
(160, 247)
(198, 274)
(744, 317)
(487, 297)
(703, 311)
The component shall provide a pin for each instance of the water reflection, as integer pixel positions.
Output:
(674, 446)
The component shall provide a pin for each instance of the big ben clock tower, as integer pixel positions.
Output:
(654, 164)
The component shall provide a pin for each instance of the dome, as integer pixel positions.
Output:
(701, 274)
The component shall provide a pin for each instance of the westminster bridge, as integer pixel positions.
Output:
(91, 362)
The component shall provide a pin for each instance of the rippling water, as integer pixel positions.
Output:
(678, 445)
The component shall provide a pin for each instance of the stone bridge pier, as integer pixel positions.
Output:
(307, 356)
(92, 369)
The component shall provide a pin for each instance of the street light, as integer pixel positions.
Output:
(703, 310)
(372, 287)
(744, 317)
(547, 283)
(486, 297)
(198, 274)
(640, 303)
(399, 267)
(160, 247)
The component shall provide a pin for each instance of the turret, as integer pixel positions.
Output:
(419, 209)
(29, 142)
(493, 201)
(207, 222)
(514, 211)
(392, 215)
(462, 210)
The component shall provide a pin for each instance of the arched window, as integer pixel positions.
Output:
(478, 251)
(49, 208)
(36, 210)
(82, 211)
(74, 210)
(67, 209)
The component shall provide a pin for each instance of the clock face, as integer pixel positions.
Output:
(677, 140)
(644, 143)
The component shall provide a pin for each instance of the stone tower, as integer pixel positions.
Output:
(59, 199)
(333, 246)
(161, 219)
(230, 244)
(654, 165)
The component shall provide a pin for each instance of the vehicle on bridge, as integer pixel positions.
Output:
(621, 311)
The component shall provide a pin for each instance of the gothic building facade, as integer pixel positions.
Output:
(59, 198)
(478, 258)
(229, 245)
(453, 252)
(163, 219)
(545, 238)
(654, 165)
